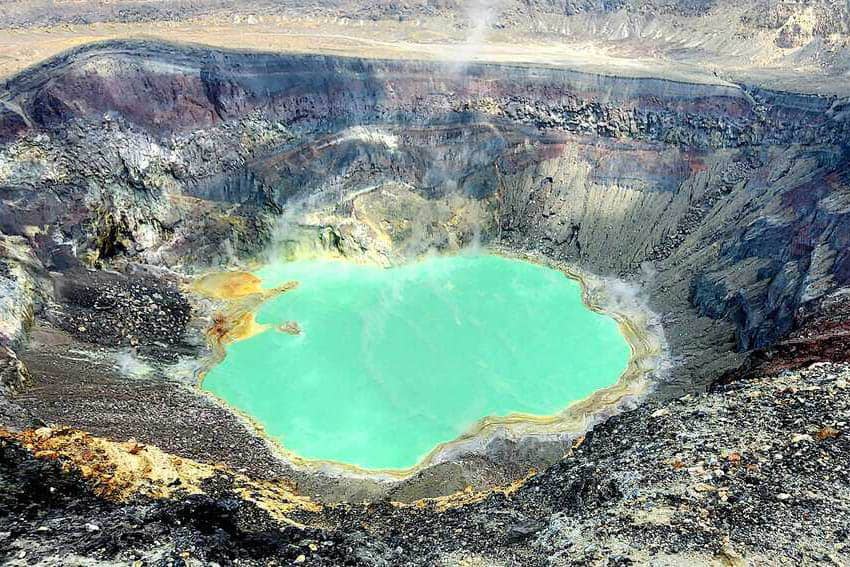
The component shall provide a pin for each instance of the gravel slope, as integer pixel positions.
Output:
(756, 470)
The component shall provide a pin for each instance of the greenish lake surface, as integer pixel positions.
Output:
(392, 362)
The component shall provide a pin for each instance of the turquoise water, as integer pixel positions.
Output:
(392, 362)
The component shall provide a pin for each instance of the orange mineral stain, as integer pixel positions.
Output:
(228, 285)
(243, 294)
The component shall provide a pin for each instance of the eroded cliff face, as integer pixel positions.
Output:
(739, 240)
(729, 205)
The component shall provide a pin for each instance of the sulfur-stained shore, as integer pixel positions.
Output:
(542, 439)
(130, 386)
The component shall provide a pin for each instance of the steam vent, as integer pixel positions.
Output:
(425, 282)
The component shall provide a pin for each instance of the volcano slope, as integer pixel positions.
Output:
(128, 167)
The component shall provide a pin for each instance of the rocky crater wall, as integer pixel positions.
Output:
(727, 204)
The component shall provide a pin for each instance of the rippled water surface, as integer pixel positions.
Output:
(392, 362)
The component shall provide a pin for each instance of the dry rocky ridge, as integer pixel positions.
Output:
(129, 167)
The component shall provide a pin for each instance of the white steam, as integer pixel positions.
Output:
(128, 364)
(481, 15)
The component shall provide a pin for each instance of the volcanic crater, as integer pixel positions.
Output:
(142, 182)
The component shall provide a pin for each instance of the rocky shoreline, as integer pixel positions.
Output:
(755, 471)
(149, 391)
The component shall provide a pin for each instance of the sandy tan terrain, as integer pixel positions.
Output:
(716, 47)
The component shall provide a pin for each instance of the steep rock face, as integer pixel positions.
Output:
(728, 204)
(185, 89)
(748, 237)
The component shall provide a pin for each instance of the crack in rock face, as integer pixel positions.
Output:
(142, 183)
